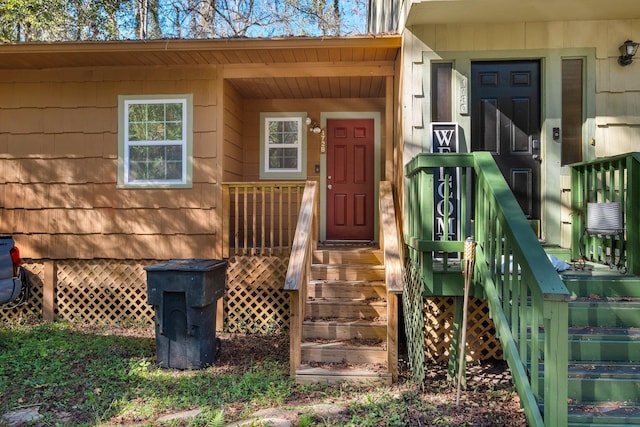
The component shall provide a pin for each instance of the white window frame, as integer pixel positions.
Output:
(185, 142)
(266, 171)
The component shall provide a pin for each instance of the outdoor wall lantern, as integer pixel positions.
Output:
(314, 127)
(627, 52)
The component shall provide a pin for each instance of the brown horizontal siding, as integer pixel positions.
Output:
(233, 133)
(116, 246)
(58, 160)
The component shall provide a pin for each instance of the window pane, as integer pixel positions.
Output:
(162, 162)
(137, 131)
(155, 112)
(174, 170)
(283, 158)
(137, 113)
(290, 158)
(290, 126)
(174, 131)
(136, 171)
(173, 112)
(155, 132)
(290, 138)
(174, 152)
(275, 158)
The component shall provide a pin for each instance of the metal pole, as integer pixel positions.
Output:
(469, 261)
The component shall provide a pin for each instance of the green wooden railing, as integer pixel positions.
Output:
(605, 180)
(527, 299)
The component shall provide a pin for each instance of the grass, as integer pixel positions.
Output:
(90, 376)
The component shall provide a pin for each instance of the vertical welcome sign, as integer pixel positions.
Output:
(444, 137)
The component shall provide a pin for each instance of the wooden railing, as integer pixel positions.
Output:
(304, 243)
(259, 217)
(390, 242)
(527, 299)
(609, 179)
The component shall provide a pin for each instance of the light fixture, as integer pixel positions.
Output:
(314, 127)
(627, 52)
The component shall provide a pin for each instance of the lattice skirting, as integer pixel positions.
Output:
(254, 301)
(482, 343)
(32, 307)
(103, 291)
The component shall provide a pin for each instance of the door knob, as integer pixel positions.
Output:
(329, 186)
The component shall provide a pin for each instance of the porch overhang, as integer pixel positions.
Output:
(504, 11)
(278, 68)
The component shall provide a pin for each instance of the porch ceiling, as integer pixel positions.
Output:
(310, 87)
(499, 11)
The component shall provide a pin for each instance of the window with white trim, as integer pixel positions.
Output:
(155, 141)
(283, 146)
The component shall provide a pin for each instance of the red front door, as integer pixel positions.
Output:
(350, 179)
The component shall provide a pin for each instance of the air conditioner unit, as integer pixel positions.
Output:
(604, 219)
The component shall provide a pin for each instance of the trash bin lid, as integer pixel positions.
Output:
(187, 265)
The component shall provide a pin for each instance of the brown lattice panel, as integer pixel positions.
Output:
(438, 327)
(32, 308)
(103, 291)
(254, 301)
(482, 343)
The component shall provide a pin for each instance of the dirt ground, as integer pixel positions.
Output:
(489, 400)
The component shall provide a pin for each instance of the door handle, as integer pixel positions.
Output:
(329, 187)
(537, 157)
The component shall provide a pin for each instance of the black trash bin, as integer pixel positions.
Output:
(184, 294)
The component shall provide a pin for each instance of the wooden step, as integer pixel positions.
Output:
(605, 312)
(332, 272)
(344, 351)
(326, 308)
(357, 289)
(360, 256)
(344, 329)
(610, 414)
(356, 374)
(610, 285)
(604, 382)
(604, 344)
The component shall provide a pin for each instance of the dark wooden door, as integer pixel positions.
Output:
(505, 120)
(350, 179)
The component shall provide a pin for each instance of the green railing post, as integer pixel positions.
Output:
(556, 355)
(632, 214)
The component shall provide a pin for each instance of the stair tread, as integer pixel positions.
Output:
(630, 302)
(354, 344)
(607, 331)
(598, 410)
(350, 265)
(347, 301)
(609, 372)
(346, 282)
(344, 370)
(346, 321)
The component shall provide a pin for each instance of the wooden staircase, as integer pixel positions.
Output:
(604, 349)
(344, 331)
